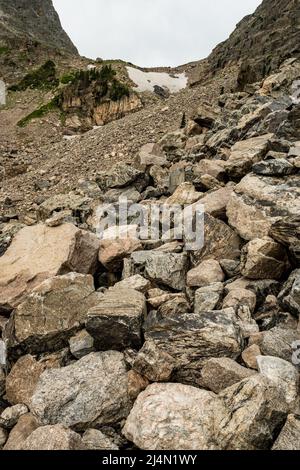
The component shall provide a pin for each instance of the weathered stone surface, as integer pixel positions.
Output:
(249, 356)
(207, 298)
(22, 380)
(38, 253)
(112, 252)
(264, 259)
(90, 391)
(3, 437)
(274, 167)
(220, 242)
(136, 384)
(56, 437)
(276, 342)
(218, 374)
(213, 168)
(154, 363)
(177, 305)
(289, 437)
(190, 338)
(215, 203)
(245, 153)
(151, 154)
(184, 194)
(240, 297)
(52, 313)
(93, 439)
(136, 282)
(11, 415)
(257, 408)
(168, 269)
(259, 201)
(175, 417)
(208, 272)
(2, 381)
(24, 427)
(283, 373)
(287, 232)
(78, 207)
(81, 344)
(121, 175)
(116, 321)
(289, 297)
(156, 299)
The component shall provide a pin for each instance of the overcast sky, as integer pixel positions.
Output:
(151, 32)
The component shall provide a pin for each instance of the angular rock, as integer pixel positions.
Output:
(289, 297)
(245, 153)
(215, 202)
(257, 409)
(11, 415)
(264, 259)
(136, 282)
(3, 437)
(289, 437)
(93, 439)
(168, 269)
(81, 344)
(287, 232)
(52, 313)
(112, 252)
(78, 207)
(174, 306)
(213, 168)
(220, 242)
(207, 298)
(116, 321)
(249, 356)
(56, 437)
(136, 384)
(191, 338)
(274, 167)
(240, 297)
(38, 253)
(175, 417)
(22, 380)
(218, 374)
(276, 342)
(208, 272)
(283, 373)
(184, 194)
(151, 154)
(259, 201)
(153, 363)
(83, 393)
(120, 176)
(18, 435)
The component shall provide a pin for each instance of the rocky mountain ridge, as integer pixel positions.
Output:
(124, 342)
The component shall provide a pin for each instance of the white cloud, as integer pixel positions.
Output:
(151, 32)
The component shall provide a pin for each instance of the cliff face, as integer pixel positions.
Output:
(261, 41)
(27, 21)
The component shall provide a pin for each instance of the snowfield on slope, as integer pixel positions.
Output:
(146, 81)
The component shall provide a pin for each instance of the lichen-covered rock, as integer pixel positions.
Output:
(120, 176)
(90, 391)
(11, 415)
(208, 297)
(289, 297)
(116, 321)
(283, 373)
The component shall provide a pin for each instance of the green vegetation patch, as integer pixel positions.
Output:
(43, 78)
(4, 50)
(40, 112)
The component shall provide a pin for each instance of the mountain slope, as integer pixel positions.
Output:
(33, 21)
(261, 41)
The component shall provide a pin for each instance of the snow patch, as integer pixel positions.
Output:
(146, 81)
